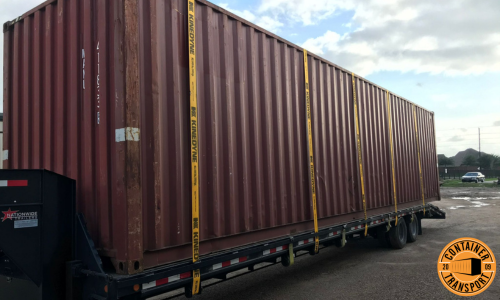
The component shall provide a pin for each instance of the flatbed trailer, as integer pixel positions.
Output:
(67, 265)
(197, 144)
(219, 266)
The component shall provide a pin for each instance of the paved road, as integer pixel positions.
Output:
(364, 270)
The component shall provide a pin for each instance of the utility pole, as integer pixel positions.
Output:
(479, 131)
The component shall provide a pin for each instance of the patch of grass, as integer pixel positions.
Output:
(459, 183)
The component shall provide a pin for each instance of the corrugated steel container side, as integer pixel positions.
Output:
(1, 141)
(62, 104)
(252, 128)
(427, 140)
(136, 195)
(374, 125)
(334, 144)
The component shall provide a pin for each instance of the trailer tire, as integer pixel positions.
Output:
(412, 228)
(398, 235)
(285, 260)
(383, 236)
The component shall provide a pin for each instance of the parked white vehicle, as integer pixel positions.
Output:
(473, 177)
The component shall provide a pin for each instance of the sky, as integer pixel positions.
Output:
(442, 55)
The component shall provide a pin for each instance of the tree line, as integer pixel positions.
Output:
(485, 161)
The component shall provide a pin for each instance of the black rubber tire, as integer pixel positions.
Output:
(383, 237)
(412, 228)
(398, 235)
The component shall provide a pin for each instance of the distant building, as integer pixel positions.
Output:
(1, 140)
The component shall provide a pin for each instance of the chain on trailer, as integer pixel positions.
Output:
(195, 192)
(392, 155)
(358, 141)
(419, 160)
(311, 152)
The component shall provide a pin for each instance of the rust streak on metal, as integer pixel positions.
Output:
(132, 120)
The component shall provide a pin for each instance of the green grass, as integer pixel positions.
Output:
(459, 183)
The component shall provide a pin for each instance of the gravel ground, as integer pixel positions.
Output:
(364, 270)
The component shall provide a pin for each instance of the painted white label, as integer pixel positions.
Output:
(83, 67)
(98, 85)
(127, 134)
(5, 154)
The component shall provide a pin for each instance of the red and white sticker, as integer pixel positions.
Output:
(358, 227)
(305, 241)
(163, 281)
(334, 233)
(274, 250)
(229, 263)
(9, 183)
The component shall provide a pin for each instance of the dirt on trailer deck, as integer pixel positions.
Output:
(365, 270)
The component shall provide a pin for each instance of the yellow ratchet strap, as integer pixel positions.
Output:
(419, 161)
(392, 156)
(360, 156)
(195, 188)
(311, 153)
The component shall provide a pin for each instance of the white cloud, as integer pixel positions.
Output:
(264, 21)
(269, 23)
(245, 14)
(427, 36)
(327, 42)
(307, 12)
(425, 43)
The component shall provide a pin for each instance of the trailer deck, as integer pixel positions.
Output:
(163, 279)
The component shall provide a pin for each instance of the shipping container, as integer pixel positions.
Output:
(99, 91)
(1, 139)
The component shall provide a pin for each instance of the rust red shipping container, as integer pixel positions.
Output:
(98, 91)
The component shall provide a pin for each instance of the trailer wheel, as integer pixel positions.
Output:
(285, 260)
(412, 229)
(398, 234)
(383, 236)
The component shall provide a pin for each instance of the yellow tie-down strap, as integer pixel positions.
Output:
(195, 188)
(358, 141)
(392, 156)
(311, 153)
(419, 161)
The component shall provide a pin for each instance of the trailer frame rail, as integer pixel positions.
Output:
(177, 275)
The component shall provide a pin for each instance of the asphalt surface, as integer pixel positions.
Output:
(365, 270)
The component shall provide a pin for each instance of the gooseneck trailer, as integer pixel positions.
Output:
(152, 145)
